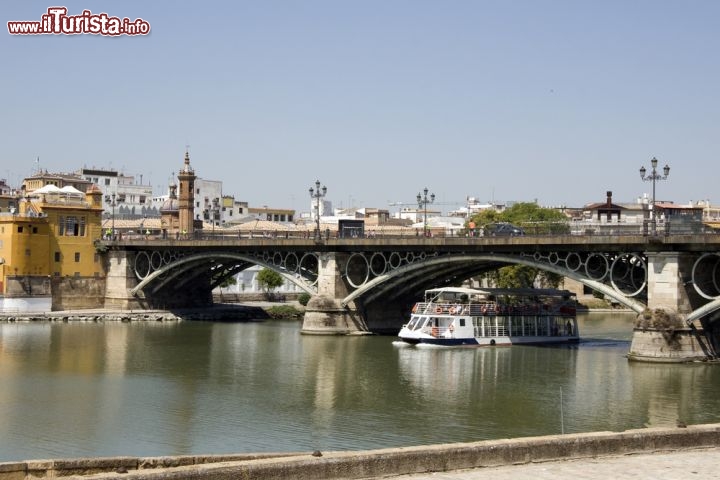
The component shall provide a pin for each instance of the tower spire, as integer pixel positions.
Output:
(186, 179)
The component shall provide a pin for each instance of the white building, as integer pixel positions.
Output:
(233, 211)
(208, 201)
(474, 206)
(326, 208)
(417, 215)
(132, 200)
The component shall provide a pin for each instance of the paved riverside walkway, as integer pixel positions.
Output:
(680, 465)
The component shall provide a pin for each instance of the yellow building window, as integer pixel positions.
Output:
(72, 226)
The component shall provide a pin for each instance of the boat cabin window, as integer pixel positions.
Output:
(462, 322)
(412, 322)
(420, 321)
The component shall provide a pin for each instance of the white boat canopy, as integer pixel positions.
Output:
(522, 292)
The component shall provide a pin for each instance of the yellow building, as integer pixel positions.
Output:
(60, 180)
(50, 237)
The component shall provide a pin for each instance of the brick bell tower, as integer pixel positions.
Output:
(186, 196)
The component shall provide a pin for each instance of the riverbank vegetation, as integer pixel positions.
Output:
(284, 312)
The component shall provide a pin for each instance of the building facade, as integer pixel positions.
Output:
(133, 200)
(207, 201)
(59, 180)
(50, 237)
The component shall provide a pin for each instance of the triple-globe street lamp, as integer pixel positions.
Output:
(422, 201)
(213, 212)
(317, 193)
(653, 177)
(112, 201)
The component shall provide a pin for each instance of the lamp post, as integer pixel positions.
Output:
(212, 212)
(215, 212)
(317, 193)
(653, 177)
(423, 201)
(112, 201)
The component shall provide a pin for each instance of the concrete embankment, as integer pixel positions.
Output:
(377, 463)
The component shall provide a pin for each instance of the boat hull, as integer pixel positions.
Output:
(487, 342)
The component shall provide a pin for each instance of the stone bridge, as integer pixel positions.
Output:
(370, 284)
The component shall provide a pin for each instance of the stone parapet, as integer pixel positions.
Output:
(375, 463)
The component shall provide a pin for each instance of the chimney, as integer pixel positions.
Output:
(609, 198)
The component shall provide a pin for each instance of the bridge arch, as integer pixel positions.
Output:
(450, 267)
(171, 272)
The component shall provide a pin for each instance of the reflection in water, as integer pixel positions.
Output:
(71, 390)
(672, 393)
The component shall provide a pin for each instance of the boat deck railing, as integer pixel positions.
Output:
(477, 309)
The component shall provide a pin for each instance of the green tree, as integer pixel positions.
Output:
(535, 220)
(304, 298)
(227, 282)
(269, 280)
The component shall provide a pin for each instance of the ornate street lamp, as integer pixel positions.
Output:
(111, 200)
(317, 193)
(423, 201)
(212, 213)
(653, 177)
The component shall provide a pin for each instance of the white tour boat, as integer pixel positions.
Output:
(464, 316)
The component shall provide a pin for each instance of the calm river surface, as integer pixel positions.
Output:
(147, 389)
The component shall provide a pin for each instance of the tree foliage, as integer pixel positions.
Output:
(269, 279)
(304, 298)
(228, 282)
(535, 220)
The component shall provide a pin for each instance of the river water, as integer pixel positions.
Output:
(148, 389)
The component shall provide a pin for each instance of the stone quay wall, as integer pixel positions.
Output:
(217, 313)
(374, 463)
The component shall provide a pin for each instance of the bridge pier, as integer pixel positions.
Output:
(324, 314)
(188, 292)
(120, 279)
(660, 333)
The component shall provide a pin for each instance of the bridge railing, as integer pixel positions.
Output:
(530, 229)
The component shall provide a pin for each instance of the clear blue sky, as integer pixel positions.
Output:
(557, 101)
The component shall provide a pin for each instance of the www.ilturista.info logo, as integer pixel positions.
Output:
(57, 22)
